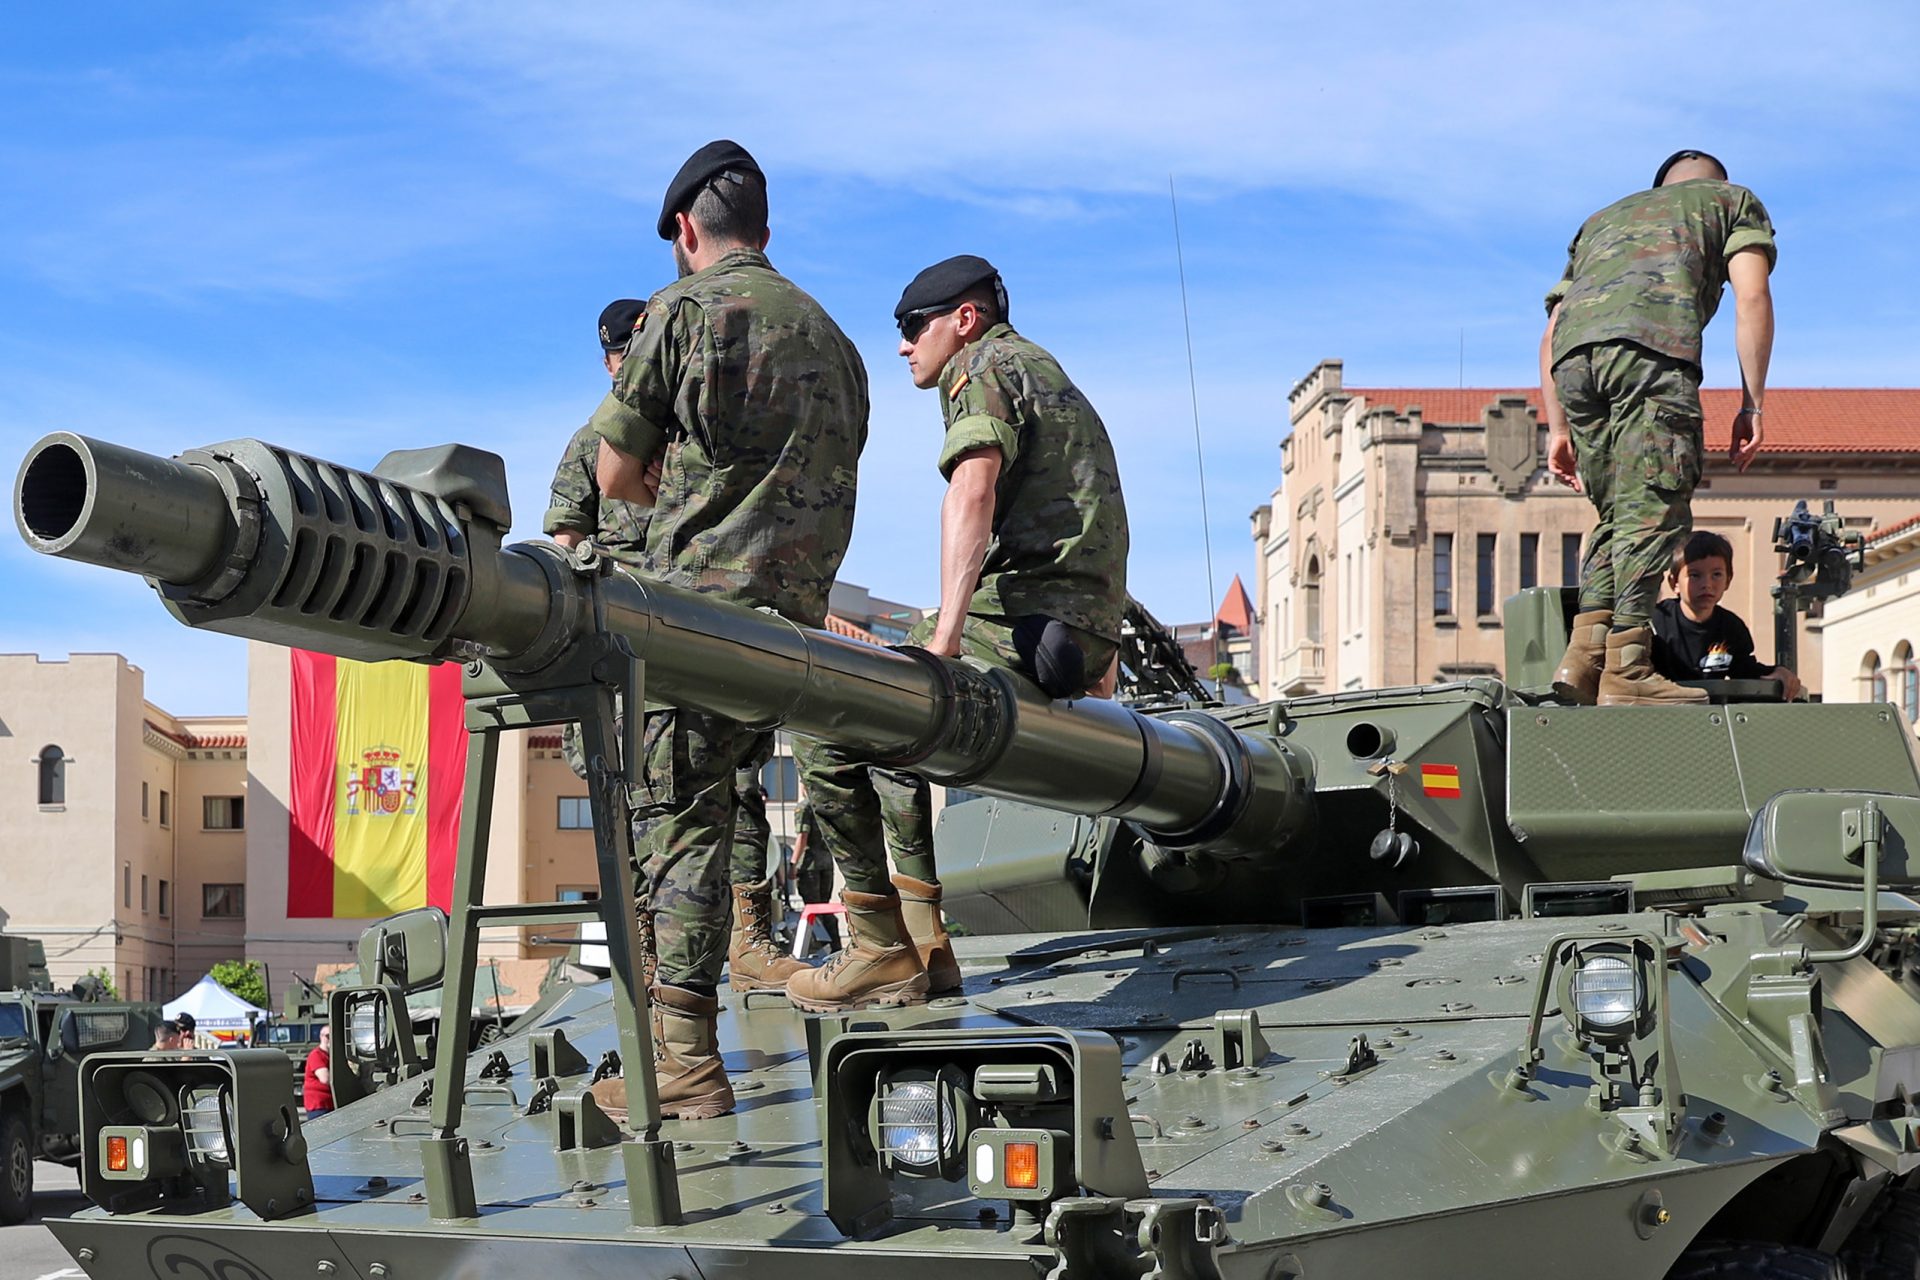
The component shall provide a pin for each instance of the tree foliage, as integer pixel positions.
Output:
(244, 978)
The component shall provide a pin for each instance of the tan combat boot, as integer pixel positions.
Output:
(1631, 681)
(920, 908)
(1578, 679)
(880, 965)
(686, 1060)
(755, 962)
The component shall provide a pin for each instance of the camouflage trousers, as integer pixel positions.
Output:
(1635, 419)
(683, 836)
(863, 810)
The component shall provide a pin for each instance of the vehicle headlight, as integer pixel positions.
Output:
(365, 1028)
(204, 1118)
(920, 1121)
(1606, 996)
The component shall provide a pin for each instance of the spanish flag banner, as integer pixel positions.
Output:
(379, 763)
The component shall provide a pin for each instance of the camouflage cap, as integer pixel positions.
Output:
(617, 321)
(944, 281)
(703, 166)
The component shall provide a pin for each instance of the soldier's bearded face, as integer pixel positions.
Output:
(928, 354)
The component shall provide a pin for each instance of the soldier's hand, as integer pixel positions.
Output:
(650, 481)
(1747, 434)
(1562, 461)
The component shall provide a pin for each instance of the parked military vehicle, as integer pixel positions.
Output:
(44, 1037)
(1447, 981)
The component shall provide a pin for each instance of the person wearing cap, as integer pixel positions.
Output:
(1620, 379)
(1033, 577)
(577, 513)
(739, 416)
(190, 1037)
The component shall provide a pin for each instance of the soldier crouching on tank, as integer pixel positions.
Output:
(1620, 378)
(753, 404)
(577, 512)
(1033, 569)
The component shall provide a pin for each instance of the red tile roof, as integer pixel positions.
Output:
(1235, 610)
(201, 741)
(841, 627)
(1895, 529)
(1798, 419)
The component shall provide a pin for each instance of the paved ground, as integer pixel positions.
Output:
(28, 1251)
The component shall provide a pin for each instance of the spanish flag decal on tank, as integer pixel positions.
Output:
(1440, 780)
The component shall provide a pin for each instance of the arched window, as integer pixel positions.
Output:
(1909, 677)
(53, 775)
(1873, 678)
(1310, 600)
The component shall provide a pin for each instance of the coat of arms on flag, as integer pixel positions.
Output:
(381, 784)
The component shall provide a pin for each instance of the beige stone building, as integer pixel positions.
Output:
(123, 828)
(1870, 633)
(1405, 517)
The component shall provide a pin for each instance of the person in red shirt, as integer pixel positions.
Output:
(317, 1088)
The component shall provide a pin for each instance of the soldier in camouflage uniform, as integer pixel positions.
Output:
(577, 511)
(1033, 577)
(739, 415)
(1620, 374)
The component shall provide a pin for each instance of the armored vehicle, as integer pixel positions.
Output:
(1449, 981)
(44, 1038)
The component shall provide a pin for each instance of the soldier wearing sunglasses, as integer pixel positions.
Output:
(1033, 577)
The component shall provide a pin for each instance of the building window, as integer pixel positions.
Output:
(53, 775)
(1442, 574)
(780, 777)
(1909, 676)
(1484, 602)
(577, 893)
(1310, 600)
(166, 808)
(576, 813)
(144, 791)
(1873, 678)
(1569, 559)
(223, 901)
(1529, 561)
(143, 895)
(166, 899)
(223, 813)
(126, 885)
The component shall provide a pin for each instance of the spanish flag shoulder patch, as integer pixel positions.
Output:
(959, 385)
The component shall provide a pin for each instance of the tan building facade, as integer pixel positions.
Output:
(1405, 517)
(122, 827)
(1871, 633)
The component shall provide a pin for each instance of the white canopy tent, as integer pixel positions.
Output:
(214, 1008)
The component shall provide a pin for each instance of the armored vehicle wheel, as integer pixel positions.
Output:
(16, 1167)
(1751, 1260)
(1886, 1245)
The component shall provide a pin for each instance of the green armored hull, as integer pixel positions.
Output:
(1449, 981)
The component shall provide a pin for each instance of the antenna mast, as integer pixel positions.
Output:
(1193, 392)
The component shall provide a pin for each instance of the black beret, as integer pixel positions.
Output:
(702, 167)
(617, 321)
(1685, 153)
(945, 281)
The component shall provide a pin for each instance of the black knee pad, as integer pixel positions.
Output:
(1051, 655)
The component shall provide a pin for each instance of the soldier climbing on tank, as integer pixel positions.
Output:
(753, 493)
(1620, 379)
(577, 512)
(1033, 568)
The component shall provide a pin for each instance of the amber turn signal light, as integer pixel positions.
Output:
(117, 1155)
(1023, 1165)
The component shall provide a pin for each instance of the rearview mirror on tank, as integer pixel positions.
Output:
(408, 951)
(1824, 838)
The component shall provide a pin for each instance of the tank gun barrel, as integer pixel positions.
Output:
(407, 561)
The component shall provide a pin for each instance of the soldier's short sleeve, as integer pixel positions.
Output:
(1752, 229)
(574, 500)
(636, 415)
(980, 411)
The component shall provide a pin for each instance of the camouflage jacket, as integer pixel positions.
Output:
(1650, 269)
(575, 503)
(756, 405)
(1059, 543)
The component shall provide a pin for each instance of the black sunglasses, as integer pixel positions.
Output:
(915, 323)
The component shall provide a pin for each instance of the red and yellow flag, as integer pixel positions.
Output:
(379, 765)
(1440, 780)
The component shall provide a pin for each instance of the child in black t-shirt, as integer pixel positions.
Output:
(1693, 637)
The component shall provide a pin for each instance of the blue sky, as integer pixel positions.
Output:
(355, 227)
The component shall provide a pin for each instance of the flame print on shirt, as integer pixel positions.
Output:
(1716, 662)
